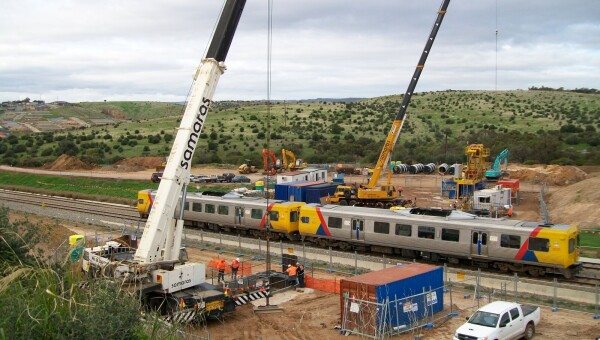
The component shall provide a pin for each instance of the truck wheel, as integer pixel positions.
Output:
(343, 202)
(529, 331)
(352, 202)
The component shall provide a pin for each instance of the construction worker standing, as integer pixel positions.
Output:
(292, 271)
(300, 273)
(235, 265)
(221, 268)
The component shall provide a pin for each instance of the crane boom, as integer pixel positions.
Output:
(161, 239)
(392, 136)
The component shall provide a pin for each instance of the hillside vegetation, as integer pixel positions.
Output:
(538, 126)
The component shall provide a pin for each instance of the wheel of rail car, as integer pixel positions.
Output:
(352, 203)
(534, 271)
(379, 205)
(323, 242)
(343, 202)
(388, 205)
(502, 266)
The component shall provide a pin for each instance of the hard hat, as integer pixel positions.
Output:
(289, 265)
(238, 259)
(297, 263)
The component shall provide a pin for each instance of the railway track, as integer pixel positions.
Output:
(127, 215)
(76, 206)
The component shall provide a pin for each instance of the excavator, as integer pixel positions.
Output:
(269, 169)
(386, 196)
(155, 269)
(290, 162)
(499, 166)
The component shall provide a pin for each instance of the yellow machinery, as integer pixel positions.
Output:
(247, 168)
(473, 173)
(290, 162)
(387, 195)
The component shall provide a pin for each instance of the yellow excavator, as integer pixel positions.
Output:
(290, 162)
(386, 196)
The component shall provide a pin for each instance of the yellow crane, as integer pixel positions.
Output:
(387, 195)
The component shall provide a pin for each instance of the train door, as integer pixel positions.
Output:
(239, 215)
(479, 243)
(358, 228)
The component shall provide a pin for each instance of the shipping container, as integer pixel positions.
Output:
(316, 192)
(297, 191)
(282, 190)
(392, 297)
(512, 183)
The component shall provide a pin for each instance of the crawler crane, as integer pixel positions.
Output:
(156, 271)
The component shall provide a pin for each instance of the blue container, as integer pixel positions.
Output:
(403, 284)
(282, 190)
(316, 192)
(297, 191)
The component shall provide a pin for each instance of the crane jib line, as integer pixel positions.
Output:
(193, 139)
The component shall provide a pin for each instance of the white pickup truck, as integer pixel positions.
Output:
(500, 320)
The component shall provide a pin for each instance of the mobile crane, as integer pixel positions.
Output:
(387, 195)
(156, 271)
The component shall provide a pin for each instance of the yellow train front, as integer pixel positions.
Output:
(506, 245)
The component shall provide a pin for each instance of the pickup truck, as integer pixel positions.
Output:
(500, 320)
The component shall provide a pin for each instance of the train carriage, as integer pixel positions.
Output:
(432, 234)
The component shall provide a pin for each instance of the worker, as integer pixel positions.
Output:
(235, 265)
(221, 268)
(292, 278)
(300, 273)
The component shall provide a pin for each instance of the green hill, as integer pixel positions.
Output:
(539, 127)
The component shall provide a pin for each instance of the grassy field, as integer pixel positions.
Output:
(117, 191)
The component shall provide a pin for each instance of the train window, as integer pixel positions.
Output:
(483, 238)
(294, 216)
(510, 241)
(223, 210)
(256, 214)
(186, 206)
(426, 232)
(334, 222)
(403, 230)
(197, 207)
(381, 227)
(539, 244)
(484, 199)
(305, 219)
(571, 245)
(450, 234)
(209, 208)
(274, 215)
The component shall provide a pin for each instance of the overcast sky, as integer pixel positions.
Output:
(82, 50)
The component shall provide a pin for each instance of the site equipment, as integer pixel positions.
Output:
(247, 167)
(157, 272)
(269, 169)
(386, 195)
(499, 166)
(290, 162)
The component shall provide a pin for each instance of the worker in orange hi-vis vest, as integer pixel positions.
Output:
(221, 268)
(235, 265)
(292, 271)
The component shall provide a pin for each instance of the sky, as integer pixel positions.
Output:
(82, 50)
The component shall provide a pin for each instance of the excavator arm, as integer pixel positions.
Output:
(161, 240)
(394, 132)
(288, 158)
(269, 155)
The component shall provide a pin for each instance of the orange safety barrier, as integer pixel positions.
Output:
(245, 268)
(325, 285)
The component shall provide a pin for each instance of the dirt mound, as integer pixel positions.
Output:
(145, 162)
(66, 162)
(551, 174)
(577, 204)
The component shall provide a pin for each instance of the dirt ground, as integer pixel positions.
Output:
(574, 198)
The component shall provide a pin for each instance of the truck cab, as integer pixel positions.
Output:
(500, 320)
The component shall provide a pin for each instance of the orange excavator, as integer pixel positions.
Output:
(269, 157)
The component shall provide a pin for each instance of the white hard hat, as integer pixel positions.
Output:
(238, 259)
(289, 265)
